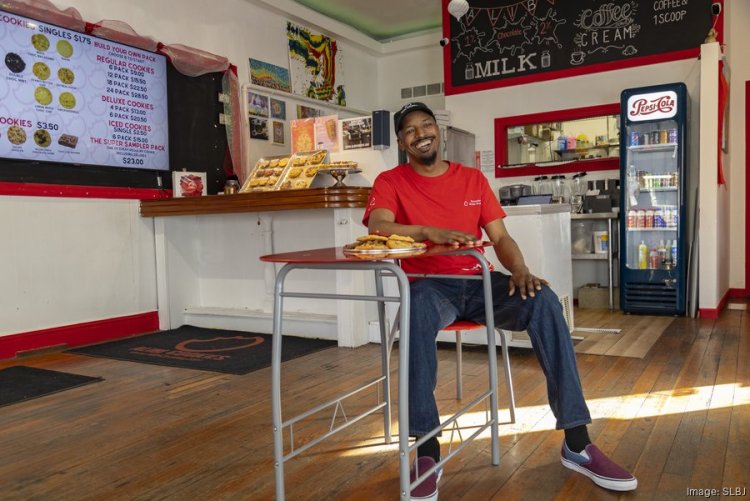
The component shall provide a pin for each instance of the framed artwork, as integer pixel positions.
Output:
(278, 109)
(258, 128)
(303, 134)
(326, 133)
(356, 133)
(315, 65)
(278, 132)
(188, 184)
(269, 75)
(257, 104)
(306, 112)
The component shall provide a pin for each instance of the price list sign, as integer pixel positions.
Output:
(72, 98)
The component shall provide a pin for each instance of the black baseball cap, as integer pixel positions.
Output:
(399, 116)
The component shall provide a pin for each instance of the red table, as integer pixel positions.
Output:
(334, 258)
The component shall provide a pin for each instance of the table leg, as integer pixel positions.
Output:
(278, 437)
(403, 386)
(384, 359)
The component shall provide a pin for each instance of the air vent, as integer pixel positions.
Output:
(649, 296)
(422, 90)
(433, 89)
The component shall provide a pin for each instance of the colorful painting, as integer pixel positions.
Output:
(315, 65)
(326, 133)
(278, 109)
(307, 112)
(356, 133)
(257, 104)
(269, 75)
(303, 134)
(278, 132)
(258, 128)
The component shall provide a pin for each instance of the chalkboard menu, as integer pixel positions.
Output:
(508, 42)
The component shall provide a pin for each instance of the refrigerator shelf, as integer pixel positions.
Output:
(672, 228)
(644, 148)
(666, 188)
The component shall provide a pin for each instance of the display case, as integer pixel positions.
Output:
(581, 139)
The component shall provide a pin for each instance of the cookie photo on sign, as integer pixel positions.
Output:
(16, 135)
(40, 70)
(40, 42)
(66, 75)
(14, 62)
(64, 48)
(43, 96)
(42, 138)
(67, 100)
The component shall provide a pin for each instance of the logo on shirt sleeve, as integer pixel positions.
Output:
(472, 203)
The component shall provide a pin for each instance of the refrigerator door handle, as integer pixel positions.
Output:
(670, 282)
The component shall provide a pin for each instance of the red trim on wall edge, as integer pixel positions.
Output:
(76, 191)
(714, 312)
(79, 334)
(747, 185)
(738, 293)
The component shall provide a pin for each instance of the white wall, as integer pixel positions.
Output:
(67, 261)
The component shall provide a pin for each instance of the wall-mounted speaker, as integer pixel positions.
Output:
(381, 129)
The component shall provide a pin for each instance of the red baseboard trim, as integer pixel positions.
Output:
(735, 293)
(75, 191)
(714, 312)
(79, 334)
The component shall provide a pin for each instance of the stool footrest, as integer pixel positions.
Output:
(337, 404)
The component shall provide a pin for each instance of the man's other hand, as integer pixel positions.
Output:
(526, 283)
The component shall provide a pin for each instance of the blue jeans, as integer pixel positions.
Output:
(436, 303)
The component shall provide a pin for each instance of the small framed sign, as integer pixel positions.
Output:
(188, 184)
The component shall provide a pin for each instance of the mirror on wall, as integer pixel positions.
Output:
(582, 139)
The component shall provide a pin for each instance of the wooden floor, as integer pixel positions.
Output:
(679, 418)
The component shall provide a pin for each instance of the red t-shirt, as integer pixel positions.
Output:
(460, 199)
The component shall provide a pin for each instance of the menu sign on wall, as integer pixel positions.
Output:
(509, 42)
(73, 98)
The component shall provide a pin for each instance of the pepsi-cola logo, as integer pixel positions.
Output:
(662, 104)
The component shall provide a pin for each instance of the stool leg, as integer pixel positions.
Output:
(459, 367)
(508, 379)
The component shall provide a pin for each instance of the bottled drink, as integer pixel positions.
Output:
(662, 250)
(653, 258)
(674, 252)
(642, 256)
(632, 218)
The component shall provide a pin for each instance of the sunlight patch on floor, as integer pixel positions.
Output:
(626, 407)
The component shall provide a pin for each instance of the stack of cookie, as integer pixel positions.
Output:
(380, 242)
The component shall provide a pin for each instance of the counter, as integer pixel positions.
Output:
(209, 273)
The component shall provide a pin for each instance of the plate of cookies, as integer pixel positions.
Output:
(302, 171)
(379, 244)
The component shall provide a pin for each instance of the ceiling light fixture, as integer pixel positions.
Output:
(457, 8)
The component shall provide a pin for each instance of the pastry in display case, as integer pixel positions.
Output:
(266, 174)
(303, 167)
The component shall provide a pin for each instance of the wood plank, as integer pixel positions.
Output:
(678, 417)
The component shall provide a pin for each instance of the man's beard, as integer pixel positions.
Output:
(428, 158)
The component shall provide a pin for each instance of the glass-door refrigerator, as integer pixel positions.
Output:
(653, 171)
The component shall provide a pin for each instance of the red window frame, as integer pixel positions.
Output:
(501, 142)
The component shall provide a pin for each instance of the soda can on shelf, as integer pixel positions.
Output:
(673, 136)
(649, 218)
(632, 218)
(663, 136)
(634, 138)
(659, 218)
(640, 220)
(655, 137)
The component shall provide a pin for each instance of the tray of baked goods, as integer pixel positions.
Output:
(382, 246)
(302, 169)
(266, 174)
